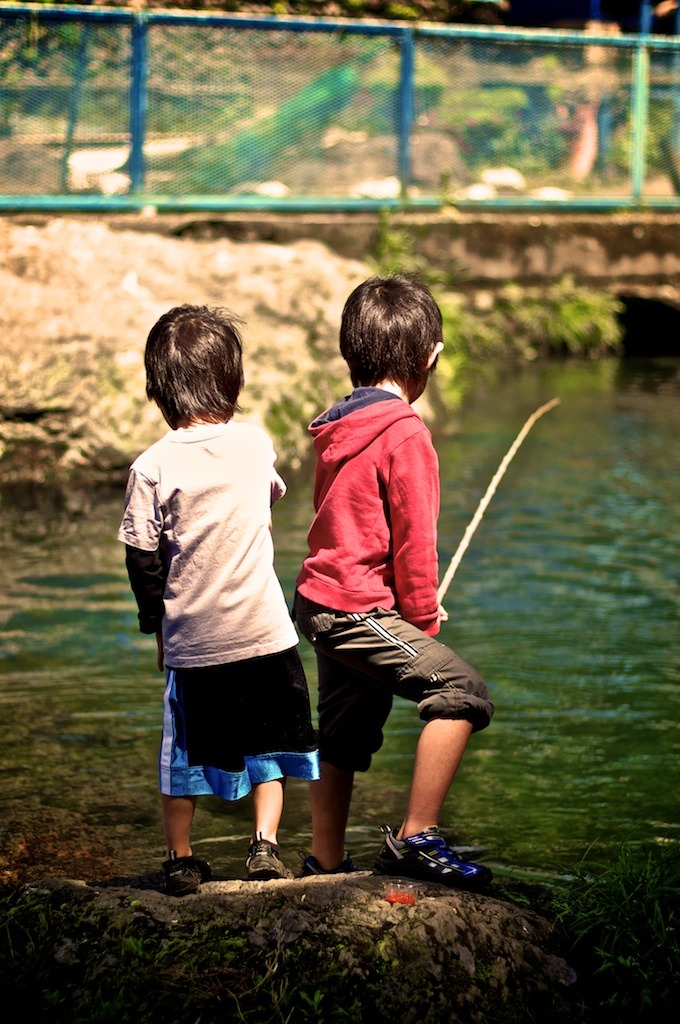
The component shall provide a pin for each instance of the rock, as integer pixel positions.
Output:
(478, 191)
(260, 949)
(378, 188)
(551, 193)
(79, 299)
(504, 178)
(273, 189)
(87, 167)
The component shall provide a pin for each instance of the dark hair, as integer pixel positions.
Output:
(389, 327)
(194, 367)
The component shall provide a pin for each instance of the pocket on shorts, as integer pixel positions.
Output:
(312, 619)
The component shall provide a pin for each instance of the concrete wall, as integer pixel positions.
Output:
(641, 250)
(632, 252)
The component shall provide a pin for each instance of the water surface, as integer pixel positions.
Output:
(566, 601)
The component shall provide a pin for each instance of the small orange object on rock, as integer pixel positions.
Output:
(400, 892)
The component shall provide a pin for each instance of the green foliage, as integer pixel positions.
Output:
(403, 11)
(397, 251)
(423, 10)
(622, 919)
(515, 323)
(565, 318)
(40, 61)
(506, 125)
(662, 148)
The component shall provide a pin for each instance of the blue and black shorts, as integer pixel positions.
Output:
(228, 727)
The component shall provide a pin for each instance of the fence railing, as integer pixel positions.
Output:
(113, 109)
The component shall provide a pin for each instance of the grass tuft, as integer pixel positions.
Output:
(621, 917)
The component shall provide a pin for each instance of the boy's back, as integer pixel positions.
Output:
(204, 493)
(376, 496)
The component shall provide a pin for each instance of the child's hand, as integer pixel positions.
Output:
(442, 615)
(160, 659)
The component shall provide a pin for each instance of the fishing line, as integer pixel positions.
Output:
(481, 508)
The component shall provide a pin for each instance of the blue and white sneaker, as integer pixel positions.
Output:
(429, 857)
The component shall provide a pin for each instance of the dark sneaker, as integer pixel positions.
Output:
(264, 862)
(311, 866)
(429, 857)
(183, 875)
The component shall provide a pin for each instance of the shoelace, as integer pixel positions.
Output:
(262, 846)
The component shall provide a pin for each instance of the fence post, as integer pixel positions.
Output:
(676, 92)
(405, 108)
(639, 115)
(646, 17)
(74, 104)
(138, 102)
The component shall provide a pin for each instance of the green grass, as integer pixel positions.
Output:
(621, 919)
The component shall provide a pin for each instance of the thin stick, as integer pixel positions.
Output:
(490, 491)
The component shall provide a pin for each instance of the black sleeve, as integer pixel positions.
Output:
(147, 578)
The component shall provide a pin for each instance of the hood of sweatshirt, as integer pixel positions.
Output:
(350, 425)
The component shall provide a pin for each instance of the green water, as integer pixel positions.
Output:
(566, 601)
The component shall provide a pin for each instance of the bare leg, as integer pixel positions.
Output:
(267, 809)
(330, 798)
(178, 814)
(439, 752)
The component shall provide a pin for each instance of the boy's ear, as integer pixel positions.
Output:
(439, 347)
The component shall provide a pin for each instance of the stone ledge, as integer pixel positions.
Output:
(490, 247)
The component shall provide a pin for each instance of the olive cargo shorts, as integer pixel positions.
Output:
(365, 659)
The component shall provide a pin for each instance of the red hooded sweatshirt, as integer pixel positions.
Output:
(373, 542)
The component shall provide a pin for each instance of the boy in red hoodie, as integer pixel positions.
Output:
(367, 592)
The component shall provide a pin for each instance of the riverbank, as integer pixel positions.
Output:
(79, 298)
(80, 294)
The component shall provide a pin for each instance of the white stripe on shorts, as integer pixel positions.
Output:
(376, 626)
(165, 759)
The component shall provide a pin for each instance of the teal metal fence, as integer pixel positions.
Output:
(112, 109)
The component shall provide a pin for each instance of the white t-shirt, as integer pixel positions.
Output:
(203, 494)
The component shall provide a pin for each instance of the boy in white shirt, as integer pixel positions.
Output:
(199, 554)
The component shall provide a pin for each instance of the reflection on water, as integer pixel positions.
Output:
(567, 601)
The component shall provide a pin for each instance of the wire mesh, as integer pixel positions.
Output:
(547, 121)
(662, 152)
(223, 112)
(268, 114)
(64, 107)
